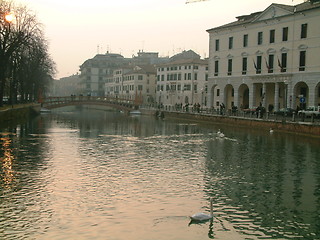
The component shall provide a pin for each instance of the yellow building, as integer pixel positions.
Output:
(269, 58)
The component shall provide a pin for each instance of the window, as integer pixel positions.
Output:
(260, 38)
(175, 76)
(217, 45)
(270, 64)
(179, 76)
(140, 77)
(258, 66)
(216, 68)
(283, 64)
(230, 42)
(304, 28)
(196, 76)
(302, 61)
(195, 88)
(285, 31)
(229, 67)
(245, 40)
(272, 35)
(218, 92)
(189, 76)
(244, 65)
(187, 87)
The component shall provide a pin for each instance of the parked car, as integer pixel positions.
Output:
(309, 111)
(285, 112)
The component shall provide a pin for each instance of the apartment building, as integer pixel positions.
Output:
(100, 69)
(182, 81)
(94, 72)
(268, 58)
(133, 83)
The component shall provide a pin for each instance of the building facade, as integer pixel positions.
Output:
(133, 83)
(182, 81)
(94, 72)
(100, 71)
(67, 86)
(268, 58)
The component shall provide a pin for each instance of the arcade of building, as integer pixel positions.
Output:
(269, 59)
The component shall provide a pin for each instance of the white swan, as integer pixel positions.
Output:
(220, 134)
(271, 130)
(202, 217)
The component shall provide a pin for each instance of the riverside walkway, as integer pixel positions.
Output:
(293, 124)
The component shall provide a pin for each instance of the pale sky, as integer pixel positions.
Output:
(78, 29)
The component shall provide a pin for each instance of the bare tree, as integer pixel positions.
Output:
(24, 58)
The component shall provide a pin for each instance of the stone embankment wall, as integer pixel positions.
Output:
(292, 127)
(19, 112)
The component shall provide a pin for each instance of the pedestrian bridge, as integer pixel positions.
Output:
(113, 102)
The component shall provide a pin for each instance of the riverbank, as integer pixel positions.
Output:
(20, 111)
(283, 125)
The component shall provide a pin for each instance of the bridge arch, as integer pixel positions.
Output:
(113, 102)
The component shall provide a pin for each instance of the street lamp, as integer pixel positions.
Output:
(8, 17)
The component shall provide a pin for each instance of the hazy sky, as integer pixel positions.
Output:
(77, 29)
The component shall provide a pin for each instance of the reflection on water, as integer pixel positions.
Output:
(6, 159)
(103, 175)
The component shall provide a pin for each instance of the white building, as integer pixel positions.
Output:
(269, 58)
(182, 80)
(133, 83)
(98, 71)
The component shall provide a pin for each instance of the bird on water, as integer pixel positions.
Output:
(203, 217)
(220, 134)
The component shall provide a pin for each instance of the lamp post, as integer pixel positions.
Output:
(6, 19)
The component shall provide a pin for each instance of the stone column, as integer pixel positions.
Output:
(252, 96)
(289, 95)
(264, 94)
(236, 97)
(209, 96)
(276, 96)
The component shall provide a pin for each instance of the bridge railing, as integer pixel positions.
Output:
(50, 102)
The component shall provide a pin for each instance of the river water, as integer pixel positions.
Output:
(103, 175)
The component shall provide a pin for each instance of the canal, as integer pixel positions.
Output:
(104, 175)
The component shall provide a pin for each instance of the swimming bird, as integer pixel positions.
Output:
(271, 130)
(220, 134)
(203, 217)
